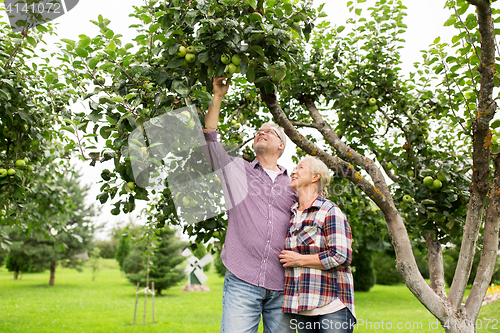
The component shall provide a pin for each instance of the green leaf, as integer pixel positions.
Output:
(253, 3)
(340, 29)
(250, 75)
(105, 100)
(84, 42)
(31, 40)
(93, 62)
(105, 132)
(175, 63)
(451, 21)
(49, 78)
(180, 88)
(109, 34)
(81, 52)
(496, 124)
(112, 46)
(161, 77)
(288, 9)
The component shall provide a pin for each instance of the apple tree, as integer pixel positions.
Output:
(420, 147)
(33, 103)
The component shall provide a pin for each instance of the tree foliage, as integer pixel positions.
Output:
(383, 130)
(36, 252)
(164, 254)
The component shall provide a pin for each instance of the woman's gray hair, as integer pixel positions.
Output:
(281, 133)
(318, 166)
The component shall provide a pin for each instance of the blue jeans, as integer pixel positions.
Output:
(243, 304)
(341, 321)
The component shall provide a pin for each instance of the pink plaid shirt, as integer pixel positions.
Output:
(324, 231)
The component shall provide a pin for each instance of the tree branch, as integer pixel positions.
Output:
(405, 261)
(480, 186)
(490, 247)
(348, 153)
(336, 164)
(303, 124)
(436, 267)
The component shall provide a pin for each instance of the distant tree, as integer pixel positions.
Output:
(164, 259)
(123, 249)
(219, 265)
(34, 251)
(107, 248)
(94, 262)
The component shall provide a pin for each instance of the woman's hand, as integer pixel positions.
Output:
(290, 258)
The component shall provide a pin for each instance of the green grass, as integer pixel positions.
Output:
(78, 304)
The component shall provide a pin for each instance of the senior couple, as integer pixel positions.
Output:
(287, 249)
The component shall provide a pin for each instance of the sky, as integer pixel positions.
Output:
(425, 22)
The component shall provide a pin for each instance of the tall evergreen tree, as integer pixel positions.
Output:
(163, 270)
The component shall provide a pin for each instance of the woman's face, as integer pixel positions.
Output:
(302, 176)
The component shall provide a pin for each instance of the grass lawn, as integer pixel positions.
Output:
(78, 304)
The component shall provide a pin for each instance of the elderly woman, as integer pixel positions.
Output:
(319, 287)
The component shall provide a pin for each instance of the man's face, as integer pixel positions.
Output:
(267, 140)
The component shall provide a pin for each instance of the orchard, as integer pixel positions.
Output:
(420, 149)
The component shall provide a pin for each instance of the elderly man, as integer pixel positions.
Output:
(258, 199)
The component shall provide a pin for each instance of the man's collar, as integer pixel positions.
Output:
(256, 162)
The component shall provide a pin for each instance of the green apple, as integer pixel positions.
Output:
(131, 186)
(191, 49)
(186, 113)
(374, 107)
(410, 173)
(190, 57)
(11, 172)
(225, 59)
(181, 52)
(372, 101)
(494, 138)
(20, 164)
(30, 168)
(236, 59)
(256, 17)
(428, 181)
(249, 96)
(3, 173)
(437, 184)
(231, 68)
(407, 198)
(389, 165)
(234, 122)
(35, 143)
(191, 123)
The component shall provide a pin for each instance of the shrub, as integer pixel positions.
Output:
(364, 274)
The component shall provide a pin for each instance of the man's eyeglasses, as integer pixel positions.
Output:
(268, 131)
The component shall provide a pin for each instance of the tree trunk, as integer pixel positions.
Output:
(52, 273)
(16, 274)
(436, 267)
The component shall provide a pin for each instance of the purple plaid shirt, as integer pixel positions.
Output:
(258, 216)
(324, 231)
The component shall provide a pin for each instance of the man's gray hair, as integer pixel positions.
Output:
(280, 131)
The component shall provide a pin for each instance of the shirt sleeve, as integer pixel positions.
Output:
(215, 154)
(338, 238)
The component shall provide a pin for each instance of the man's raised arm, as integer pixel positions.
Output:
(220, 90)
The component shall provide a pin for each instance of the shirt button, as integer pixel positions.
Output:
(268, 240)
(264, 260)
